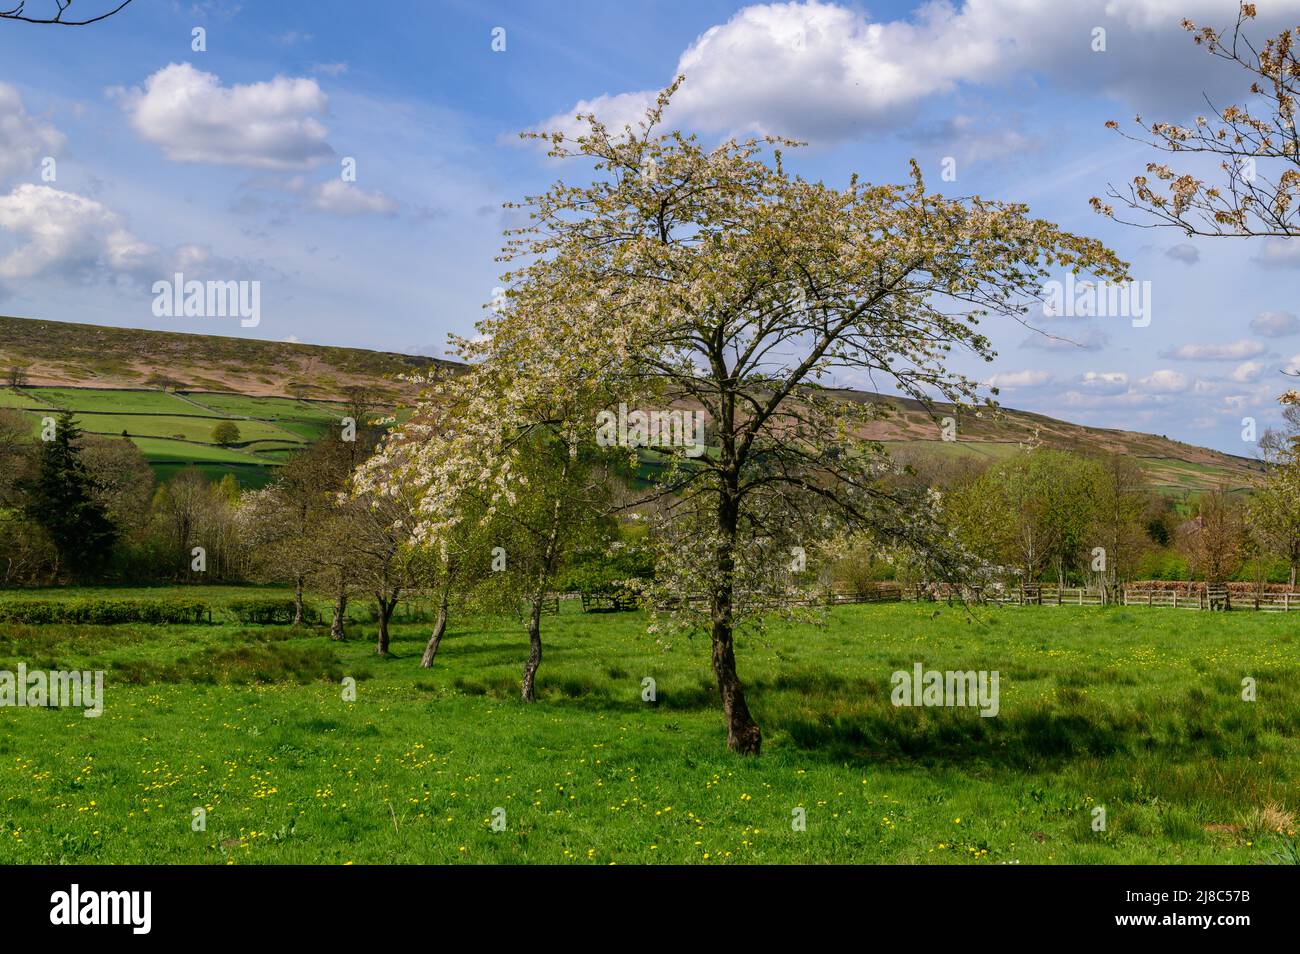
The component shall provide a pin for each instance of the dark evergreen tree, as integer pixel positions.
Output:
(60, 499)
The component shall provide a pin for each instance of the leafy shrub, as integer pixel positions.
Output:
(599, 572)
(268, 611)
(103, 612)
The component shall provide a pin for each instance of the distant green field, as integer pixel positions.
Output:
(175, 430)
(159, 449)
(137, 402)
(240, 405)
(11, 398)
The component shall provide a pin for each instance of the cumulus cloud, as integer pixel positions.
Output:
(1164, 382)
(24, 140)
(1279, 253)
(1234, 351)
(46, 233)
(1248, 371)
(1182, 252)
(1104, 382)
(823, 72)
(61, 232)
(346, 198)
(1019, 379)
(193, 118)
(1275, 324)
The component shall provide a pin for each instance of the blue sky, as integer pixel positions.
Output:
(226, 162)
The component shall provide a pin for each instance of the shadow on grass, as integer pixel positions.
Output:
(262, 663)
(1200, 724)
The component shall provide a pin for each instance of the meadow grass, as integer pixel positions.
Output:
(1135, 710)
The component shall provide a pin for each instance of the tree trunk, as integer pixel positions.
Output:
(385, 612)
(1291, 585)
(340, 610)
(528, 689)
(439, 629)
(743, 733)
(297, 601)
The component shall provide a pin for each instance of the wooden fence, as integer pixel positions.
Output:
(1197, 597)
(1194, 596)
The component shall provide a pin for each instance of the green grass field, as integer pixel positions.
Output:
(175, 430)
(1134, 710)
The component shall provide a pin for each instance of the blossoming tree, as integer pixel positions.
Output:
(718, 279)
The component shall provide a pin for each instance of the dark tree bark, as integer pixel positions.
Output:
(743, 733)
(297, 600)
(439, 630)
(528, 689)
(386, 607)
(340, 612)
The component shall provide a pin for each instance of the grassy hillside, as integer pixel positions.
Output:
(283, 395)
(1169, 464)
(62, 353)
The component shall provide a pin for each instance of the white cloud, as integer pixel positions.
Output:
(1279, 253)
(1019, 379)
(1104, 382)
(823, 72)
(24, 140)
(1164, 382)
(1234, 351)
(1187, 254)
(64, 236)
(63, 232)
(1275, 324)
(1247, 371)
(193, 118)
(344, 198)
